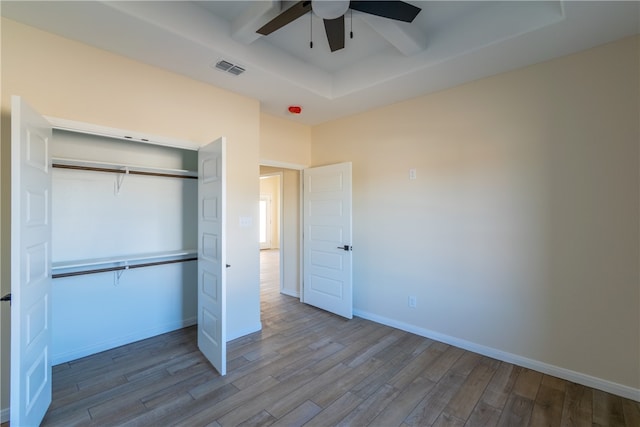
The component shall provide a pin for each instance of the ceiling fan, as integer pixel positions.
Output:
(332, 13)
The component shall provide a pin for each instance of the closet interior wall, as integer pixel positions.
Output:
(103, 219)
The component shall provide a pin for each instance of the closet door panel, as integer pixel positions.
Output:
(30, 265)
(212, 334)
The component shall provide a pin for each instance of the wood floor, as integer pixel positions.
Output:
(308, 367)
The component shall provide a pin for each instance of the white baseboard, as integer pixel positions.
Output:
(247, 331)
(556, 371)
(290, 293)
(4, 415)
(137, 336)
(77, 353)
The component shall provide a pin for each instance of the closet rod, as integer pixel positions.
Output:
(131, 172)
(121, 267)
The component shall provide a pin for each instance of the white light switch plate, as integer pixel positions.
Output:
(245, 221)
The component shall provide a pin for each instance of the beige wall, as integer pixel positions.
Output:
(284, 142)
(65, 79)
(521, 232)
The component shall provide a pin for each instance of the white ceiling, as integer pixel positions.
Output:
(448, 43)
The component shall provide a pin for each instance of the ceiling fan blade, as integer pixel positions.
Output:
(289, 15)
(398, 10)
(335, 33)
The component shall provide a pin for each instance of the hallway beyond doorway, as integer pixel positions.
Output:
(270, 270)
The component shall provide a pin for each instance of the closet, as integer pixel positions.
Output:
(124, 242)
(115, 237)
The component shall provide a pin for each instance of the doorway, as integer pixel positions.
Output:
(327, 282)
(282, 186)
(269, 224)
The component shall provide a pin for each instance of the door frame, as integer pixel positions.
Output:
(299, 168)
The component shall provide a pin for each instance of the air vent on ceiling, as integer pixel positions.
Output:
(229, 67)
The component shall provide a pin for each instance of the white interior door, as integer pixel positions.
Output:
(30, 265)
(212, 334)
(327, 239)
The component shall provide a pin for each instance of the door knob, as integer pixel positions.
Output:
(346, 248)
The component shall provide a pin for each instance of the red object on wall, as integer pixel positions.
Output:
(295, 109)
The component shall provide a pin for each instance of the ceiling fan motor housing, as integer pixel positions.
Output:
(329, 9)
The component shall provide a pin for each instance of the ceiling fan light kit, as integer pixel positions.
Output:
(332, 12)
(329, 9)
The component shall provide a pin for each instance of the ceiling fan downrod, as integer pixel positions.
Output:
(351, 22)
(311, 30)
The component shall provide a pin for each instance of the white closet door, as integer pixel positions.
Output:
(212, 334)
(30, 265)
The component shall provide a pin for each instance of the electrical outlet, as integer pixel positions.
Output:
(412, 174)
(412, 302)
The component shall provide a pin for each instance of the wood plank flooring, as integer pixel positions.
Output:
(308, 367)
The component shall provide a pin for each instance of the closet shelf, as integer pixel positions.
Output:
(117, 263)
(122, 169)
